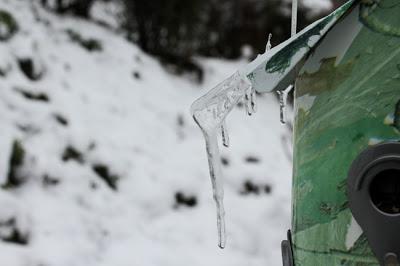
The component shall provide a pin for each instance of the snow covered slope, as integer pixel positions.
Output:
(101, 163)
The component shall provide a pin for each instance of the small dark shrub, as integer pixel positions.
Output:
(34, 96)
(185, 200)
(10, 25)
(252, 159)
(14, 177)
(80, 8)
(90, 44)
(102, 171)
(224, 161)
(50, 181)
(136, 75)
(71, 153)
(251, 188)
(28, 67)
(15, 236)
(61, 119)
(180, 120)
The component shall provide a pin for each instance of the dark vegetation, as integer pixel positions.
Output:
(185, 200)
(250, 187)
(61, 119)
(15, 235)
(14, 176)
(90, 44)
(252, 159)
(49, 181)
(33, 96)
(80, 8)
(136, 75)
(103, 172)
(175, 30)
(224, 161)
(28, 67)
(8, 24)
(71, 153)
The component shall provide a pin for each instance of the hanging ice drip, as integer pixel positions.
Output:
(210, 112)
(283, 97)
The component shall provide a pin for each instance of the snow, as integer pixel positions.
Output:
(317, 4)
(130, 125)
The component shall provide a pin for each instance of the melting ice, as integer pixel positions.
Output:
(269, 45)
(283, 95)
(210, 112)
(224, 134)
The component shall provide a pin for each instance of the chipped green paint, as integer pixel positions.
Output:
(347, 97)
(325, 79)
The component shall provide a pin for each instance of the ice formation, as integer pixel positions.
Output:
(271, 71)
(210, 112)
(269, 45)
(283, 96)
(224, 134)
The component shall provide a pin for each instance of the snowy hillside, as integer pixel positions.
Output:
(102, 165)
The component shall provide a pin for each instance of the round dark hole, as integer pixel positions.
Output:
(385, 191)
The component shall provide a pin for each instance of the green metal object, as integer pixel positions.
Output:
(347, 98)
(346, 70)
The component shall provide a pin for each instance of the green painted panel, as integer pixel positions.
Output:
(347, 97)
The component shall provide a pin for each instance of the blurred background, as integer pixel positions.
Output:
(100, 160)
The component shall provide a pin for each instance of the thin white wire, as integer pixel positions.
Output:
(294, 17)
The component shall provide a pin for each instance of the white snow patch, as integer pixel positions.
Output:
(132, 126)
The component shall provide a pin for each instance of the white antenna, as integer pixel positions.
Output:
(283, 94)
(294, 17)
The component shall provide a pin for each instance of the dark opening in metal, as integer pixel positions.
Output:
(385, 191)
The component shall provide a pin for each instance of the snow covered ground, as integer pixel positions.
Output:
(114, 171)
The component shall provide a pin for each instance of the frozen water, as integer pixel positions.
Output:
(250, 101)
(210, 112)
(269, 45)
(283, 95)
(225, 134)
(264, 74)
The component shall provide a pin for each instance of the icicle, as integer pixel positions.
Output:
(283, 102)
(253, 100)
(250, 101)
(225, 134)
(269, 45)
(247, 103)
(217, 183)
(210, 112)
